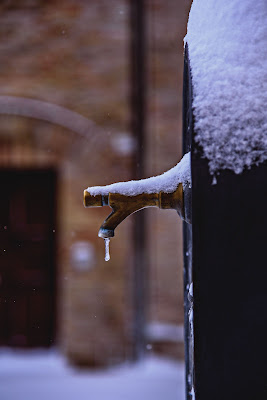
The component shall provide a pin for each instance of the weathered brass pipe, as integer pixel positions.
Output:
(123, 206)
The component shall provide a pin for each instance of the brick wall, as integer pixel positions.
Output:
(75, 54)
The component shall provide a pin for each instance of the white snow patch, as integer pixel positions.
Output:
(44, 375)
(227, 42)
(192, 392)
(191, 289)
(166, 182)
(162, 332)
(123, 144)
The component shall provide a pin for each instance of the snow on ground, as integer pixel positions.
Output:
(45, 375)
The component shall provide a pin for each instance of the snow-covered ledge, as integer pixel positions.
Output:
(227, 42)
(167, 182)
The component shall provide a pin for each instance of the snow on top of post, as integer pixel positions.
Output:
(167, 182)
(227, 43)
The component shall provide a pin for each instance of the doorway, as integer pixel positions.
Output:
(27, 258)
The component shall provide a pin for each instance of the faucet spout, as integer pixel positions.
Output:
(170, 190)
(123, 206)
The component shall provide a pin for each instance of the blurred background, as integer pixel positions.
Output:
(68, 120)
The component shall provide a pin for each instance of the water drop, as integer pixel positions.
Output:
(107, 255)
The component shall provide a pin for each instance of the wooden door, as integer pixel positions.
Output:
(27, 258)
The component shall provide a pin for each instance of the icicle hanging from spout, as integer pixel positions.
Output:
(107, 254)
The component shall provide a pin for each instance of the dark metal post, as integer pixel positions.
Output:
(187, 230)
(225, 257)
(138, 113)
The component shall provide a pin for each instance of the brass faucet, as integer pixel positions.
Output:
(123, 206)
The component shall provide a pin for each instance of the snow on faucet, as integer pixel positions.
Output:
(165, 191)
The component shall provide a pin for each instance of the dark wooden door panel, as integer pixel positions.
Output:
(27, 257)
